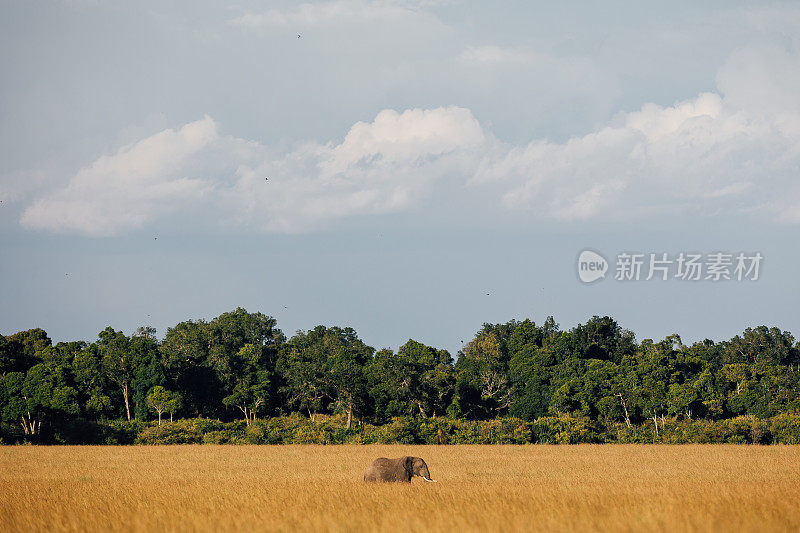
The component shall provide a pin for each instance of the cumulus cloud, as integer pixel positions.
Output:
(125, 190)
(735, 151)
(382, 166)
(387, 165)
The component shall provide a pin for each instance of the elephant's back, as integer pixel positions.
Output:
(382, 462)
(381, 469)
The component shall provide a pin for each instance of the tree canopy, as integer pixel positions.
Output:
(241, 365)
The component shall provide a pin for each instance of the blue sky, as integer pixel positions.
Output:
(431, 165)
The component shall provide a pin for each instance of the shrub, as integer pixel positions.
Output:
(468, 432)
(436, 431)
(121, 431)
(401, 430)
(741, 430)
(785, 428)
(263, 432)
(760, 432)
(189, 431)
(511, 431)
(217, 437)
(307, 434)
(565, 430)
(231, 433)
(296, 429)
(633, 435)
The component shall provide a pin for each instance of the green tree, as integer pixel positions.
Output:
(98, 405)
(251, 383)
(184, 357)
(31, 397)
(347, 359)
(418, 380)
(94, 388)
(530, 373)
(19, 352)
(163, 401)
(483, 367)
(307, 383)
(227, 335)
(118, 363)
(148, 368)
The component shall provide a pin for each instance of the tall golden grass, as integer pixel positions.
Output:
(320, 488)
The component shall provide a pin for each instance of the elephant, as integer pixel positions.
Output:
(401, 469)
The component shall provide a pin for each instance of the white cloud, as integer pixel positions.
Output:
(762, 79)
(383, 166)
(736, 151)
(139, 183)
(733, 152)
(387, 165)
(410, 135)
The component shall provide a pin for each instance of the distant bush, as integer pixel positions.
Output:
(296, 429)
(785, 428)
(435, 430)
(230, 433)
(271, 431)
(121, 431)
(739, 430)
(704, 432)
(82, 431)
(564, 430)
(401, 430)
(468, 432)
(512, 431)
(633, 434)
(189, 431)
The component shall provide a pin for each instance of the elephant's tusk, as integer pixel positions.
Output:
(429, 480)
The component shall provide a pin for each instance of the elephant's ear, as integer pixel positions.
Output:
(408, 465)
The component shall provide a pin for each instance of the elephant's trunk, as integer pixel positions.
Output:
(426, 474)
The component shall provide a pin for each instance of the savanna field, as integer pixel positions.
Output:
(320, 488)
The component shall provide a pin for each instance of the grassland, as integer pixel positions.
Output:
(319, 488)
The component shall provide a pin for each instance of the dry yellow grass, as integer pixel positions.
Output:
(319, 488)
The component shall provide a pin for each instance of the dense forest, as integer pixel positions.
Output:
(241, 366)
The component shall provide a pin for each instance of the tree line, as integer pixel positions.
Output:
(240, 365)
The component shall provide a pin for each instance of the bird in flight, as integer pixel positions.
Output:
(298, 35)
